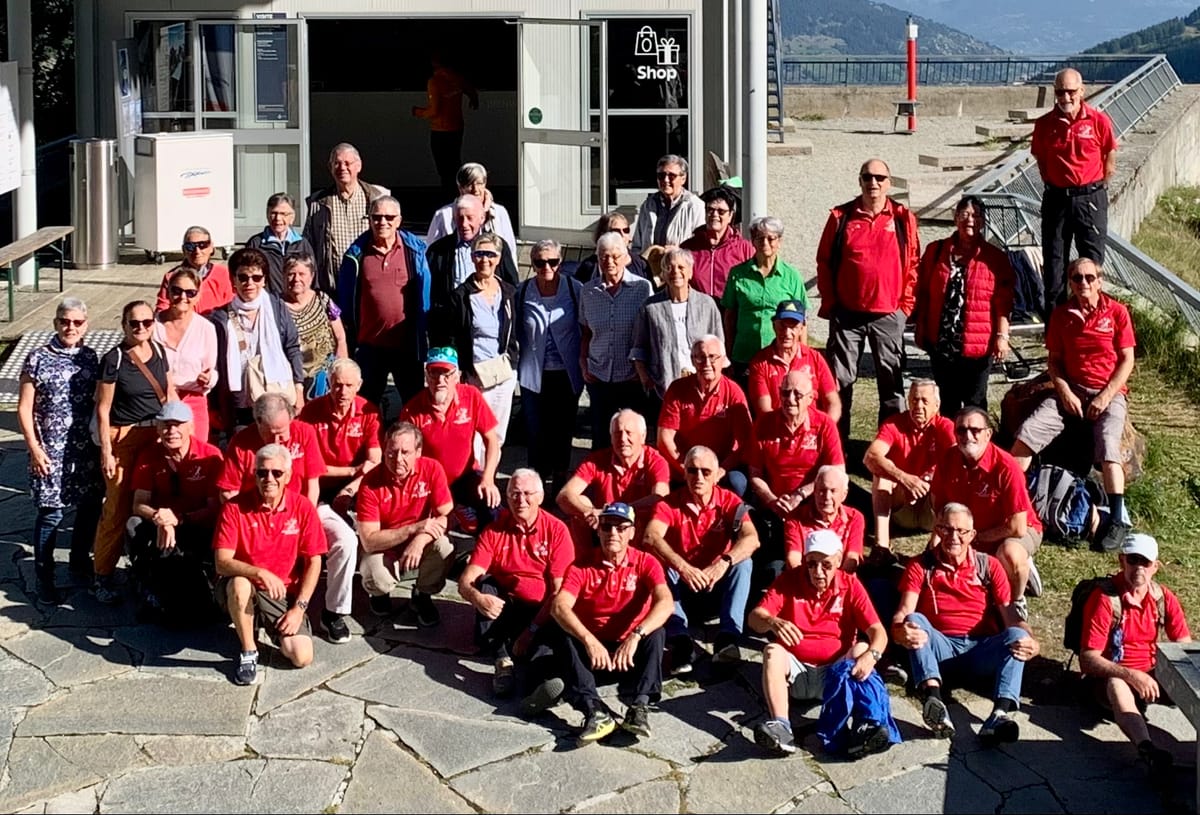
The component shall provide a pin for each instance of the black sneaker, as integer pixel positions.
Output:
(1158, 761)
(682, 654)
(868, 738)
(1114, 537)
(246, 672)
(776, 737)
(336, 629)
(637, 721)
(381, 604)
(937, 717)
(726, 651)
(597, 726)
(424, 610)
(1000, 727)
(544, 697)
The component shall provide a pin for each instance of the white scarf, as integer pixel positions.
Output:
(264, 339)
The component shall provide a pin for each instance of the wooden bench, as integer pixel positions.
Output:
(48, 237)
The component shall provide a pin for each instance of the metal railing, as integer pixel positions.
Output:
(944, 70)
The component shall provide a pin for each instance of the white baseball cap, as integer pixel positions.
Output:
(1139, 543)
(824, 542)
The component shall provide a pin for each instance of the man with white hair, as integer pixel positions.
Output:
(672, 214)
(827, 510)
(450, 256)
(268, 549)
(337, 215)
(274, 423)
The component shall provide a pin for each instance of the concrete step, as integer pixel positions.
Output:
(1012, 132)
(793, 147)
(1027, 114)
(934, 178)
(959, 159)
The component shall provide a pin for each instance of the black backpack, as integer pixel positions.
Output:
(1073, 627)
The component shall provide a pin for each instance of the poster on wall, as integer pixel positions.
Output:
(168, 68)
(10, 131)
(128, 99)
(271, 74)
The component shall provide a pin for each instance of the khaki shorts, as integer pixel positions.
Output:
(918, 515)
(1046, 423)
(1031, 541)
(805, 682)
(268, 611)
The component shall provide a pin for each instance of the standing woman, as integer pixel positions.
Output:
(964, 298)
(56, 403)
(191, 345)
(279, 241)
(752, 293)
(589, 268)
(134, 384)
(215, 286)
(548, 311)
(318, 319)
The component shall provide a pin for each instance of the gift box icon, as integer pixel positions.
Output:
(668, 51)
(645, 44)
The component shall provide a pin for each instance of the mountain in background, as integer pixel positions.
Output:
(864, 27)
(1178, 38)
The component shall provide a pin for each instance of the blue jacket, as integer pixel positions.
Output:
(347, 285)
(533, 331)
(845, 696)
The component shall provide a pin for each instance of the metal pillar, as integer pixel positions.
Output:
(20, 50)
(736, 104)
(910, 30)
(754, 108)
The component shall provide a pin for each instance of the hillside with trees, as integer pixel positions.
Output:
(1178, 38)
(864, 27)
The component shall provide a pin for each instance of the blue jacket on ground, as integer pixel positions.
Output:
(846, 697)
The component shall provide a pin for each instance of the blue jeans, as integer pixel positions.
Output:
(45, 534)
(733, 589)
(989, 656)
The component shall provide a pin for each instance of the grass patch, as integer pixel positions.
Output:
(1171, 233)
(810, 117)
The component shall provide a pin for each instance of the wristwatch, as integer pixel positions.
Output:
(875, 654)
(727, 558)
(639, 630)
(302, 605)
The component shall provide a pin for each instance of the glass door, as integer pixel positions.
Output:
(556, 136)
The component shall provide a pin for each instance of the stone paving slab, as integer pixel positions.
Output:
(653, 796)
(36, 771)
(193, 749)
(741, 778)
(949, 788)
(386, 778)
(283, 684)
(203, 653)
(70, 657)
(321, 725)
(23, 683)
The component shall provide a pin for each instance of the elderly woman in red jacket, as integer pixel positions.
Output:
(964, 297)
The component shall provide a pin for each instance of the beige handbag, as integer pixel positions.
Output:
(254, 377)
(492, 372)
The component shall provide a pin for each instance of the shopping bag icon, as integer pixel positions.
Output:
(646, 42)
(668, 51)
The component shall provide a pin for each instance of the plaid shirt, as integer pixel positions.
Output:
(347, 220)
(611, 318)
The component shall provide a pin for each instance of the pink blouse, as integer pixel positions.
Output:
(196, 352)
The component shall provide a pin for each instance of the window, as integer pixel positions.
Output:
(164, 61)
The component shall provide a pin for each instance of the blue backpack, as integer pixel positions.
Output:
(1065, 503)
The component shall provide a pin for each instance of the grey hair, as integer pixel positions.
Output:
(709, 338)
(699, 450)
(683, 254)
(270, 405)
(343, 147)
(671, 158)
(528, 472)
(276, 451)
(345, 364)
(926, 383)
(280, 198)
(641, 421)
(546, 245)
(489, 238)
(195, 228)
(768, 224)
(469, 173)
(835, 470)
(402, 428)
(610, 241)
(384, 199)
(468, 201)
(70, 304)
(955, 508)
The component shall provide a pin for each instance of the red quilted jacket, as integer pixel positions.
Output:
(989, 295)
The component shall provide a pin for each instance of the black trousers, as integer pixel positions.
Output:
(465, 492)
(643, 679)
(1066, 218)
(550, 424)
(403, 363)
(962, 381)
(446, 147)
(606, 399)
(495, 637)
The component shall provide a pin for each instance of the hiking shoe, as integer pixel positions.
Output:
(381, 604)
(598, 725)
(1158, 761)
(246, 672)
(102, 589)
(775, 737)
(1114, 537)
(726, 651)
(868, 738)
(1000, 727)
(424, 610)
(937, 717)
(1021, 606)
(895, 673)
(336, 629)
(46, 591)
(1033, 586)
(637, 721)
(504, 681)
(682, 654)
(544, 697)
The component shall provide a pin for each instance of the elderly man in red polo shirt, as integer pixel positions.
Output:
(515, 571)
(268, 554)
(347, 430)
(707, 409)
(630, 472)
(902, 460)
(990, 483)
(866, 274)
(790, 352)
(1090, 342)
(816, 612)
(449, 413)
(611, 610)
(827, 510)
(1076, 153)
(704, 536)
(274, 423)
(402, 512)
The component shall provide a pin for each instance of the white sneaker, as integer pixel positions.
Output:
(1033, 586)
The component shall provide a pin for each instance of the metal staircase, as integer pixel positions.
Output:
(774, 75)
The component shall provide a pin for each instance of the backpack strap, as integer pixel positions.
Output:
(1160, 602)
(983, 569)
(839, 237)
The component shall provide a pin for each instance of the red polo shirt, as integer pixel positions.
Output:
(344, 442)
(830, 622)
(767, 370)
(1069, 152)
(699, 534)
(871, 277)
(1139, 625)
(450, 438)
(398, 503)
(274, 540)
(1088, 346)
(525, 562)
(916, 451)
(789, 459)
(849, 524)
(719, 420)
(954, 598)
(238, 472)
(383, 284)
(994, 490)
(612, 600)
(183, 486)
(608, 481)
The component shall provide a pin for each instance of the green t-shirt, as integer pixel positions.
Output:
(754, 299)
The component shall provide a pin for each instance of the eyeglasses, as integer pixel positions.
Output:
(963, 430)
(542, 263)
(377, 216)
(722, 211)
(865, 177)
(250, 278)
(764, 237)
(64, 322)
(1066, 91)
(263, 472)
(480, 254)
(176, 291)
(793, 393)
(704, 471)
(196, 246)
(1084, 278)
(661, 176)
(139, 323)
(281, 213)
(951, 532)
(711, 359)
(608, 526)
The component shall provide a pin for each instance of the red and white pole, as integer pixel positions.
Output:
(911, 30)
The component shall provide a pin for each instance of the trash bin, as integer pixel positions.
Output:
(93, 244)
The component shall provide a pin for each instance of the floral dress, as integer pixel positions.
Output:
(64, 390)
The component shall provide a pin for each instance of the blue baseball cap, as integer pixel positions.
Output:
(445, 357)
(619, 510)
(790, 310)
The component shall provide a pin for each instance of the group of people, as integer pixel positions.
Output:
(717, 472)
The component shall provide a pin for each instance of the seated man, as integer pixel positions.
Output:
(515, 571)
(790, 352)
(704, 537)
(174, 512)
(816, 613)
(402, 512)
(706, 409)
(268, 555)
(977, 473)
(1121, 624)
(827, 510)
(347, 431)
(449, 413)
(902, 460)
(953, 600)
(1090, 343)
(630, 473)
(274, 423)
(611, 610)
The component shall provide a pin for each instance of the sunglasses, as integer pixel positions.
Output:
(64, 322)
(1084, 278)
(542, 263)
(1137, 560)
(865, 177)
(704, 471)
(380, 217)
(668, 176)
(792, 393)
(965, 429)
(1066, 91)
(139, 323)
(176, 291)
(195, 246)
(722, 211)
(608, 526)
(484, 253)
(250, 278)
(264, 472)
(623, 230)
